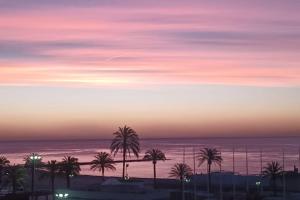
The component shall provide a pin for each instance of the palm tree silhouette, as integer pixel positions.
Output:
(181, 171)
(4, 162)
(15, 176)
(103, 161)
(273, 170)
(210, 156)
(51, 170)
(154, 155)
(69, 167)
(127, 141)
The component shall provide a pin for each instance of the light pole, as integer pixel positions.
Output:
(33, 158)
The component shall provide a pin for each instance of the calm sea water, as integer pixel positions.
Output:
(177, 150)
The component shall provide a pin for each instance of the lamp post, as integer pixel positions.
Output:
(33, 158)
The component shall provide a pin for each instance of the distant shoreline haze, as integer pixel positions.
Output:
(107, 139)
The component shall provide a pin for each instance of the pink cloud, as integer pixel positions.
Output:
(241, 44)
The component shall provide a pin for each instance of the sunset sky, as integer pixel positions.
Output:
(81, 68)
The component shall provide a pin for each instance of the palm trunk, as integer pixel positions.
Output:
(274, 187)
(14, 185)
(181, 188)
(1, 170)
(154, 173)
(68, 181)
(14, 188)
(52, 186)
(209, 178)
(52, 183)
(102, 173)
(124, 159)
(32, 176)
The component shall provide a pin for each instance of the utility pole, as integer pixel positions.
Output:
(220, 179)
(194, 159)
(261, 170)
(233, 172)
(247, 171)
(283, 175)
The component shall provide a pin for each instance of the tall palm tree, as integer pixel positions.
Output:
(51, 169)
(15, 176)
(127, 141)
(103, 161)
(181, 171)
(69, 167)
(4, 162)
(209, 156)
(273, 170)
(154, 155)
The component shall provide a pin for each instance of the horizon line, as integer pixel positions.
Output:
(155, 138)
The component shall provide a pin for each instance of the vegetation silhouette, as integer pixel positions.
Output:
(103, 161)
(70, 167)
(181, 171)
(50, 170)
(15, 176)
(273, 170)
(154, 155)
(4, 163)
(127, 141)
(210, 156)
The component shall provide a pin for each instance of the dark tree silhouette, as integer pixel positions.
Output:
(103, 161)
(51, 169)
(15, 176)
(181, 171)
(4, 162)
(154, 155)
(69, 167)
(127, 141)
(273, 170)
(209, 156)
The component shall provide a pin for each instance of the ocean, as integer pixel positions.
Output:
(176, 150)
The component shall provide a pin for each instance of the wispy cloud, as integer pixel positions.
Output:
(149, 42)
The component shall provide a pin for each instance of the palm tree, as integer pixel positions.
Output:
(103, 161)
(51, 170)
(15, 175)
(69, 167)
(273, 170)
(181, 171)
(210, 156)
(154, 155)
(127, 141)
(4, 162)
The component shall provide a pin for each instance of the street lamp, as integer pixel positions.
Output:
(33, 158)
(62, 195)
(258, 184)
(186, 179)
